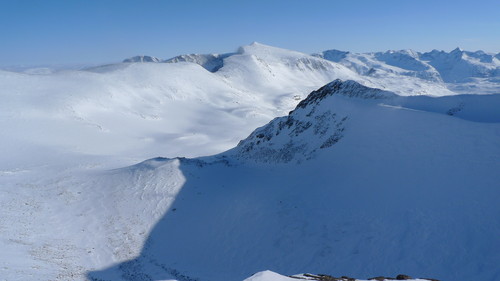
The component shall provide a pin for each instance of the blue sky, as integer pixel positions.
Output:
(86, 31)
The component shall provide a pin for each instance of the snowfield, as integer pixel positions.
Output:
(375, 172)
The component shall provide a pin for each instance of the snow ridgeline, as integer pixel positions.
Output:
(437, 66)
(456, 66)
(316, 123)
(309, 127)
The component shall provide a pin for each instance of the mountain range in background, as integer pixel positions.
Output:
(451, 67)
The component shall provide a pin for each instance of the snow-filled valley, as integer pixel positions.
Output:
(349, 165)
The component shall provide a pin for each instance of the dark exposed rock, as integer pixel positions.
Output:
(324, 277)
(346, 88)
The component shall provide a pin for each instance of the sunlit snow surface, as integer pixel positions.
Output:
(405, 185)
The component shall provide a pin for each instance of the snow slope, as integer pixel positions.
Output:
(164, 106)
(402, 187)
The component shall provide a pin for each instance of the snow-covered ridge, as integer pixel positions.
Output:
(402, 72)
(211, 62)
(319, 121)
(451, 67)
(142, 59)
(311, 126)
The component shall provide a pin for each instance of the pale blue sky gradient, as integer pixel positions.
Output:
(85, 31)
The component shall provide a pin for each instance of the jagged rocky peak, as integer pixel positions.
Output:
(211, 62)
(142, 59)
(455, 54)
(313, 125)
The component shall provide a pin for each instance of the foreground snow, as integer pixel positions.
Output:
(272, 276)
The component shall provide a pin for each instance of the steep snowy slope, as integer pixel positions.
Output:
(375, 185)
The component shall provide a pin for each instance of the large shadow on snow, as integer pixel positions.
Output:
(395, 197)
(354, 217)
(219, 209)
(229, 221)
(226, 223)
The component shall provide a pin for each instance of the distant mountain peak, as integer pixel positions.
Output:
(142, 59)
(332, 55)
(211, 62)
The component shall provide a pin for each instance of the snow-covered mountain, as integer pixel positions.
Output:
(405, 63)
(85, 110)
(457, 66)
(142, 59)
(367, 176)
(211, 62)
(461, 66)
